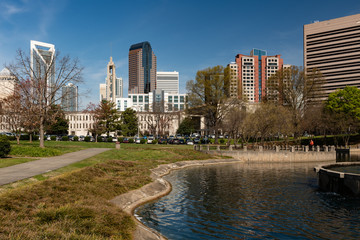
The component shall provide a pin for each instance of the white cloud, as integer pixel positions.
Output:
(7, 10)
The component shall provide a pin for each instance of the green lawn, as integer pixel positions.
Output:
(26, 152)
(72, 202)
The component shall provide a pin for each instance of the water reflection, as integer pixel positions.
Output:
(237, 201)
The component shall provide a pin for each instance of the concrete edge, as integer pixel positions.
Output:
(327, 168)
(158, 188)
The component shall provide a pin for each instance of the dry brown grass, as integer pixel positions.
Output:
(75, 205)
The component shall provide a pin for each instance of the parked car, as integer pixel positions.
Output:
(162, 141)
(125, 140)
(81, 138)
(196, 140)
(150, 139)
(205, 140)
(137, 140)
(181, 141)
(189, 142)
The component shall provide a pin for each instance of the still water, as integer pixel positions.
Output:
(256, 201)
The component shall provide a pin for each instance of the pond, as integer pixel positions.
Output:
(251, 201)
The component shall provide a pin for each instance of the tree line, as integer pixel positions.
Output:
(290, 108)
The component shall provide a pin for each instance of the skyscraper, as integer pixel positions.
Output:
(69, 100)
(42, 60)
(332, 47)
(253, 72)
(168, 81)
(142, 68)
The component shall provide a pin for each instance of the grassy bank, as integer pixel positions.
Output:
(26, 152)
(73, 205)
(52, 148)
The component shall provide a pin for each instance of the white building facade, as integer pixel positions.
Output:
(81, 123)
(7, 83)
(168, 81)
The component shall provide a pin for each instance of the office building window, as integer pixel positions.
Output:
(170, 99)
(176, 99)
(141, 99)
(181, 99)
(134, 98)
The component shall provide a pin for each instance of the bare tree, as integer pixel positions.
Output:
(234, 120)
(12, 111)
(41, 83)
(270, 120)
(295, 89)
(159, 121)
(208, 95)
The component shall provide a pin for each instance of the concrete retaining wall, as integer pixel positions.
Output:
(272, 156)
(339, 182)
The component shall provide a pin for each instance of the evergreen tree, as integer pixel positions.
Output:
(129, 122)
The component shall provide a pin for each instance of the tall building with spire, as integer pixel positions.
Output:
(113, 87)
(142, 68)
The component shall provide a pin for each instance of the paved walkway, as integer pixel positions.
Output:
(26, 170)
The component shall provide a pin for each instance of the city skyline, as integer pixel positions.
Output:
(186, 36)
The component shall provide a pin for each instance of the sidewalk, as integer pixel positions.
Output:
(26, 170)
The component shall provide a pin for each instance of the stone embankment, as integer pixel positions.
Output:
(274, 154)
(156, 189)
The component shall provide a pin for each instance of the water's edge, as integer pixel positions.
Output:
(128, 202)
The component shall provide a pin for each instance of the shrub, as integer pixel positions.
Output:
(35, 137)
(87, 139)
(11, 138)
(131, 140)
(99, 139)
(76, 138)
(154, 141)
(109, 139)
(4, 146)
(142, 141)
(64, 138)
(53, 138)
(120, 139)
(222, 141)
(25, 137)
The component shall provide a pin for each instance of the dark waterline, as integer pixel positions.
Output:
(258, 201)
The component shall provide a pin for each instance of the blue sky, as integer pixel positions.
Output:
(186, 36)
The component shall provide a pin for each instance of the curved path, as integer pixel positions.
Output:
(26, 170)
